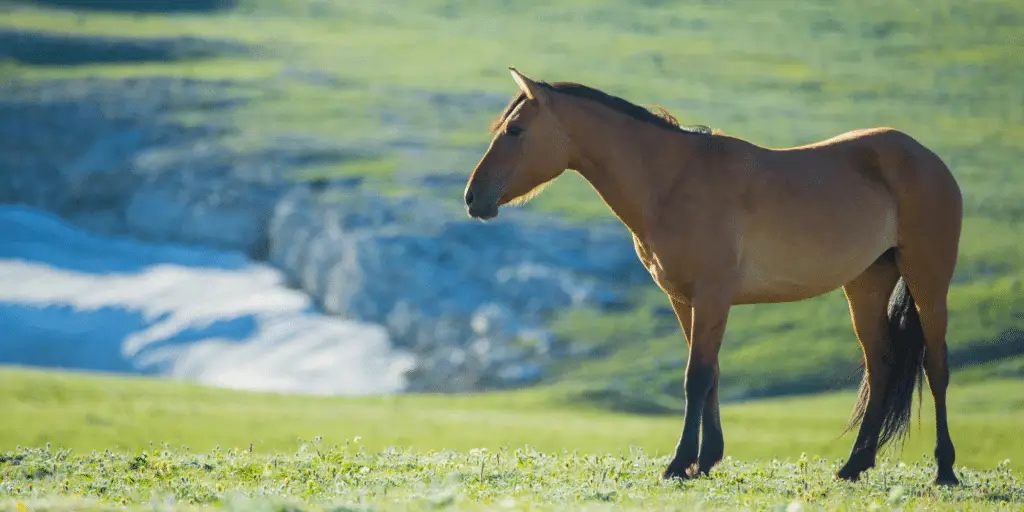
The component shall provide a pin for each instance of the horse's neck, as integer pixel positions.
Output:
(612, 161)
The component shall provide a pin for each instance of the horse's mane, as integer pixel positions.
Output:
(663, 119)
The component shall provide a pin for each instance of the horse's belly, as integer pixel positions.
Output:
(798, 258)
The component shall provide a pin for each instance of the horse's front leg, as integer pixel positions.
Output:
(712, 440)
(709, 314)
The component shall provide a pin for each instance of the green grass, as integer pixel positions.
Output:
(322, 476)
(111, 440)
(87, 412)
(778, 73)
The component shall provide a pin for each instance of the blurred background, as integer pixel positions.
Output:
(266, 194)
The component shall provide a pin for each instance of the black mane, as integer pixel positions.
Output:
(665, 120)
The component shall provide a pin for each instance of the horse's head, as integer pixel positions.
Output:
(529, 149)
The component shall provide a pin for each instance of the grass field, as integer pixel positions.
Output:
(132, 439)
(409, 86)
(316, 476)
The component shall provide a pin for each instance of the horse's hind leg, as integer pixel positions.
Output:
(929, 237)
(928, 276)
(868, 296)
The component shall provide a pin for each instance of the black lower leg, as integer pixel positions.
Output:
(937, 369)
(699, 381)
(945, 454)
(865, 448)
(861, 459)
(712, 441)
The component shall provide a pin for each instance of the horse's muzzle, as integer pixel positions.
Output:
(480, 208)
(483, 212)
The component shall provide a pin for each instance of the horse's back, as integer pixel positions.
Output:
(820, 214)
(898, 158)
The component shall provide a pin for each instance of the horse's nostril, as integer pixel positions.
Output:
(469, 198)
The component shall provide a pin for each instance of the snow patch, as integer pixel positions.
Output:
(70, 298)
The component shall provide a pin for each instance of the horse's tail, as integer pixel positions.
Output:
(904, 364)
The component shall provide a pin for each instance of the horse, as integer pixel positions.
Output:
(719, 221)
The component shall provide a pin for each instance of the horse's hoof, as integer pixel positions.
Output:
(847, 475)
(949, 480)
(704, 467)
(674, 472)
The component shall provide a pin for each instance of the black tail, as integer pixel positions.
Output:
(905, 366)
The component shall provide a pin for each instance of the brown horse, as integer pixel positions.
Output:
(719, 221)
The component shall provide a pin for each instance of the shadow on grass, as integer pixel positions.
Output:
(625, 401)
(54, 49)
(138, 6)
(1009, 343)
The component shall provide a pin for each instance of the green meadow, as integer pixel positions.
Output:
(70, 440)
(409, 87)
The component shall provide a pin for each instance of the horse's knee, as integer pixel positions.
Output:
(700, 377)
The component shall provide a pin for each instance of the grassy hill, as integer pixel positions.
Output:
(409, 86)
(137, 440)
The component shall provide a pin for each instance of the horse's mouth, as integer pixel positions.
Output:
(484, 212)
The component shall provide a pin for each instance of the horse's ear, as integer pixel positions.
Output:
(531, 89)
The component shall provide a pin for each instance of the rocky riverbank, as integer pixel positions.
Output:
(470, 301)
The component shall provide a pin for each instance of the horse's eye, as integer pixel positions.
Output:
(513, 131)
